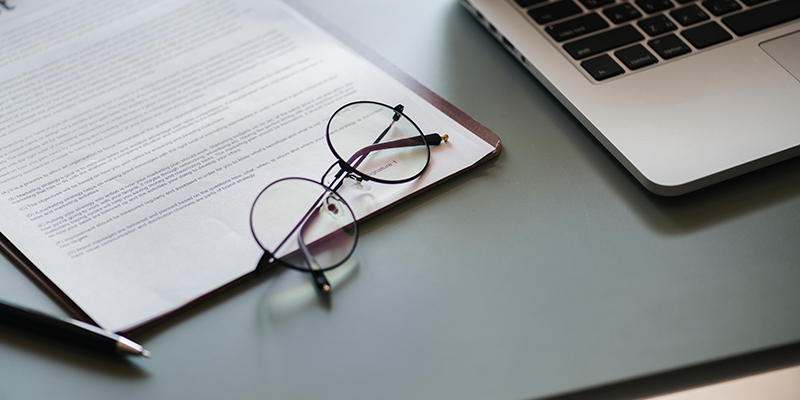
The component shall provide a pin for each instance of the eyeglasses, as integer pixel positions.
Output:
(305, 224)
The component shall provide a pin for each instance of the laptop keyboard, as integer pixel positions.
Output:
(608, 38)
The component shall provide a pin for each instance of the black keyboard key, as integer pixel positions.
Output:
(576, 27)
(684, 1)
(669, 46)
(654, 6)
(602, 67)
(763, 17)
(657, 25)
(528, 3)
(602, 42)
(689, 15)
(721, 7)
(554, 11)
(622, 13)
(706, 35)
(592, 4)
(636, 57)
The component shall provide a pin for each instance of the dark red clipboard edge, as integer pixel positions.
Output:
(443, 105)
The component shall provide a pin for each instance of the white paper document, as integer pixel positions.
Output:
(134, 137)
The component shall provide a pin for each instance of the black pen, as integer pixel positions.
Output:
(72, 330)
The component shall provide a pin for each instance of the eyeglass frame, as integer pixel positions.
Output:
(346, 171)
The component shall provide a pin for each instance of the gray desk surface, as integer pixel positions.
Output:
(546, 271)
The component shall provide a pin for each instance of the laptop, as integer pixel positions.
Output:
(683, 93)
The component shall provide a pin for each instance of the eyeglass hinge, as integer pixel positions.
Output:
(398, 112)
(345, 167)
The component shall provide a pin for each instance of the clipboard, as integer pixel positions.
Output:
(441, 104)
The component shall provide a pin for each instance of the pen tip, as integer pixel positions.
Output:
(127, 346)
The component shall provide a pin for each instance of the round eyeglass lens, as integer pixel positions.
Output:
(378, 142)
(304, 224)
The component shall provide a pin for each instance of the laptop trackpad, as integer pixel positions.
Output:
(786, 51)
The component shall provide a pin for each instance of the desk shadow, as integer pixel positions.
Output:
(717, 203)
(285, 293)
(684, 214)
(122, 367)
(290, 294)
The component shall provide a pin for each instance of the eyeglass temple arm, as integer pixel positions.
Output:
(398, 112)
(355, 160)
(301, 225)
(320, 281)
(432, 139)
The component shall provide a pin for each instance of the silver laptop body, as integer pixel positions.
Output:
(680, 122)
